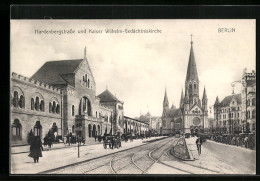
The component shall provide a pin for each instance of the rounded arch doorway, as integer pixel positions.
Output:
(89, 130)
(94, 130)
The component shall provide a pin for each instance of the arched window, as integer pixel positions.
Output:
(16, 130)
(42, 105)
(15, 99)
(84, 104)
(54, 107)
(96, 114)
(253, 102)
(190, 86)
(73, 127)
(88, 83)
(89, 130)
(195, 86)
(38, 129)
(50, 107)
(37, 103)
(248, 102)
(54, 127)
(32, 104)
(58, 109)
(21, 102)
(248, 114)
(72, 110)
(253, 113)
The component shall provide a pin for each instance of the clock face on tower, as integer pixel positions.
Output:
(196, 121)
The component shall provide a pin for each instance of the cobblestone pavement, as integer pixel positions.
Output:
(134, 161)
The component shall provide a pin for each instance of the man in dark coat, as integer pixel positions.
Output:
(36, 149)
(198, 143)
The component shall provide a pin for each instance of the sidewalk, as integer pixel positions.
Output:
(223, 159)
(55, 158)
(26, 148)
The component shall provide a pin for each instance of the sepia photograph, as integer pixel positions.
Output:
(135, 96)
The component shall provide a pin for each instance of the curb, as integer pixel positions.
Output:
(184, 159)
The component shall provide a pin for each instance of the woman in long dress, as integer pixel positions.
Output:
(36, 149)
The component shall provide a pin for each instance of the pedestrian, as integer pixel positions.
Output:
(246, 141)
(198, 143)
(49, 142)
(36, 149)
(45, 140)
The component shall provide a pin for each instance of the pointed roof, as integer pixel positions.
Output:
(173, 106)
(148, 114)
(52, 72)
(165, 100)
(226, 101)
(107, 96)
(182, 98)
(216, 102)
(192, 68)
(204, 97)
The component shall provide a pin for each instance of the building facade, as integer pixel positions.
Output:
(228, 115)
(61, 96)
(192, 114)
(135, 126)
(237, 113)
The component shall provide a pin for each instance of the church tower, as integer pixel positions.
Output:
(182, 99)
(192, 80)
(204, 101)
(205, 109)
(165, 101)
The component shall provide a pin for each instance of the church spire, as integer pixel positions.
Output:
(165, 100)
(182, 98)
(204, 97)
(192, 69)
(216, 102)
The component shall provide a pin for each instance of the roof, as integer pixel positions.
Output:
(107, 96)
(226, 101)
(170, 113)
(51, 72)
(135, 119)
(192, 68)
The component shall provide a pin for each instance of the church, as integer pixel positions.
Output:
(192, 114)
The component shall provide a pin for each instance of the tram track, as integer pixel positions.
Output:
(137, 160)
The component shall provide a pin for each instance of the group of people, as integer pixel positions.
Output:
(238, 140)
(47, 140)
(72, 139)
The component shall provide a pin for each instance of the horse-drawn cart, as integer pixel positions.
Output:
(111, 142)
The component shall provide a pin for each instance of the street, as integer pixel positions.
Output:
(153, 157)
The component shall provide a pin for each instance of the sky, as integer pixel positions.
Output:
(137, 67)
